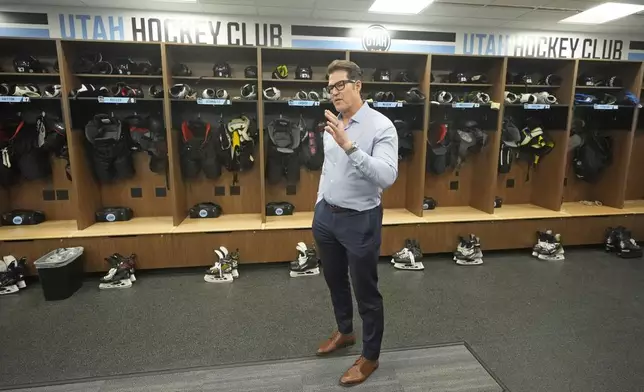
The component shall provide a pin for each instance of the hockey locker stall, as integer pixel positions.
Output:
(468, 189)
(301, 193)
(237, 192)
(144, 191)
(163, 236)
(51, 194)
(530, 186)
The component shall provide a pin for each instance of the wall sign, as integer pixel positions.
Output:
(151, 26)
(376, 38)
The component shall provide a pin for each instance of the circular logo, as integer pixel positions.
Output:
(110, 217)
(17, 220)
(279, 211)
(425, 206)
(376, 39)
(203, 213)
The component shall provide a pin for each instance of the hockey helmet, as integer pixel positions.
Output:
(155, 91)
(249, 91)
(280, 72)
(27, 64)
(53, 90)
(405, 76)
(304, 72)
(457, 77)
(382, 75)
(181, 70)
(222, 70)
(125, 66)
(586, 80)
(250, 72)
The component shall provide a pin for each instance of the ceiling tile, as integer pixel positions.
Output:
(286, 3)
(372, 18)
(453, 21)
(490, 12)
(286, 12)
(546, 16)
(522, 25)
(229, 9)
(233, 2)
(64, 3)
(359, 5)
(572, 4)
(481, 2)
(522, 3)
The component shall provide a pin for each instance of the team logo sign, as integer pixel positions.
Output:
(17, 220)
(110, 217)
(203, 213)
(376, 39)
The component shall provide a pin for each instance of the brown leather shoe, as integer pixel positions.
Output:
(336, 341)
(359, 372)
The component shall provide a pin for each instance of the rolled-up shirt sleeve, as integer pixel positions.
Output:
(381, 167)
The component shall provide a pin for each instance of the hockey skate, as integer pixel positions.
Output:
(548, 246)
(468, 251)
(233, 259)
(619, 240)
(12, 278)
(307, 263)
(121, 275)
(408, 258)
(222, 271)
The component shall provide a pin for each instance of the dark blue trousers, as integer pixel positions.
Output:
(348, 243)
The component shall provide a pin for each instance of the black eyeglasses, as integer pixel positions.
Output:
(338, 86)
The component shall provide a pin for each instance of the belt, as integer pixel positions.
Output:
(335, 208)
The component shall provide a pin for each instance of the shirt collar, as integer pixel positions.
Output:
(360, 114)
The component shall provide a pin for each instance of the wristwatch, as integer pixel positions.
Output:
(354, 148)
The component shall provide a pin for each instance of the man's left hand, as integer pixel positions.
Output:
(335, 128)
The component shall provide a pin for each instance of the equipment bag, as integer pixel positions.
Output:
(279, 208)
(22, 217)
(114, 214)
(592, 156)
(205, 210)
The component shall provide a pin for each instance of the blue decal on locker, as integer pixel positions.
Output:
(24, 32)
(326, 44)
(421, 48)
(94, 27)
(636, 56)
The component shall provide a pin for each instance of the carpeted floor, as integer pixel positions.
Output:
(539, 326)
(445, 368)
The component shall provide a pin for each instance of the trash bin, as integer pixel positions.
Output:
(60, 272)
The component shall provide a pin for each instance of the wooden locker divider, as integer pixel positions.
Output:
(416, 169)
(260, 127)
(634, 185)
(176, 185)
(85, 191)
(484, 184)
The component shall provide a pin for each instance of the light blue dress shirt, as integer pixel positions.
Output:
(356, 181)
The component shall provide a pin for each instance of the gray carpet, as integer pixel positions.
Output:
(450, 368)
(575, 326)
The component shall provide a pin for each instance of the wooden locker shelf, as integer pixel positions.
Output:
(578, 209)
(634, 206)
(135, 226)
(45, 230)
(526, 211)
(226, 222)
(455, 214)
(299, 220)
(399, 216)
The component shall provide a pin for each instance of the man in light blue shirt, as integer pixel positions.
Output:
(360, 161)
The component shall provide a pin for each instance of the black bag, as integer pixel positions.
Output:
(279, 208)
(22, 217)
(592, 156)
(205, 210)
(506, 156)
(114, 214)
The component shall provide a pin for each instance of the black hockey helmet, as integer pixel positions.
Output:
(457, 77)
(27, 64)
(222, 70)
(382, 75)
(405, 76)
(250, 72)
(156, 91)
(125, 66)
(304, 72)
(586, 80)
(280, 72)
(181, 69)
